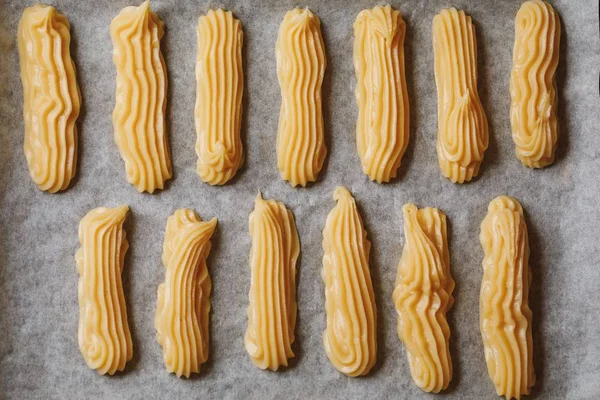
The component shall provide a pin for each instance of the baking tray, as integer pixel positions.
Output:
(39, 355)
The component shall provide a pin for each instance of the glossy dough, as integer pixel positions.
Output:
(505, 316)
(220, 85)
(272, 308)
(104, 337)
(462, 124)
(301, 66)
(51, 98)
(139, 114)
(533, 84)
(182, 313)
(382, 130)
(423, 296)
(350, 339)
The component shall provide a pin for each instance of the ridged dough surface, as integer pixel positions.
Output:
(505, 316)
(51, 98)
(350, 339)
(141, 97)
(104, 337)
(301, 63)
(462, 124)
(382, 129)
(182, 313)
(272, 309)
(423, 296)
(219, 90)
(533, 84)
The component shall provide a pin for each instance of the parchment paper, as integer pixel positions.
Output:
(39, 355)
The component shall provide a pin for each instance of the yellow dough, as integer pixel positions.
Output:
(301, 63)
(141, 97)
(220, 85)
(382, 131)
(462, 124)
(505, 316)
(51, 98)
(272, 309)
(423, 296)
(182, 313)
(533, 84)
(350, 339)
(104, 338)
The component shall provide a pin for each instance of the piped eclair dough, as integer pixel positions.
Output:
(382, 129)
(51, 98)
(301, 63)
(350, 339)
(182, 313)
(141, 90)
(505, 316)
(462, 123)
(533, 84)
(423, 296)
(104, 337)
(272, 309)
(219, 90)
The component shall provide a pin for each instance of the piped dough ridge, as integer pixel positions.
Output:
(272, 308)
(382, 129)
(219, 90)
(462, 124)
(423, 296)
(182, 312)
(301, 63)
(51, 98)
(141, 96)
(505, 316)
(534, 100)
(350, 339)
(104, 337)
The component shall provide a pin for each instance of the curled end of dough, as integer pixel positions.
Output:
(505, 202)
(302, 16)
(422, 297)
(341, 193)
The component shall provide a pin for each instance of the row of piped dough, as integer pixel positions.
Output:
(52, 98)
(422, 294)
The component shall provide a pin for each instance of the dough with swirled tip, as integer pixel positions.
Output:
(382, 129)
(423, 296)
(104, 337)
(141, 97)
(350, 339)
(219, 90)
(462, 124)
(301, 63)
(182, 313)
(272, 308)
(51, 98)
(505, 316)
(534, 101)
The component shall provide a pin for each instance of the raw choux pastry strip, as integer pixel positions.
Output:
(104, 337)
(505, 316)
(272, 309)
(301, 63)
(182, 313)
(141, 97)
(533, 84)
(51, 98)
(462, 124)
(350, 339)
(423, 296)
(219, 90)
(382, 129)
